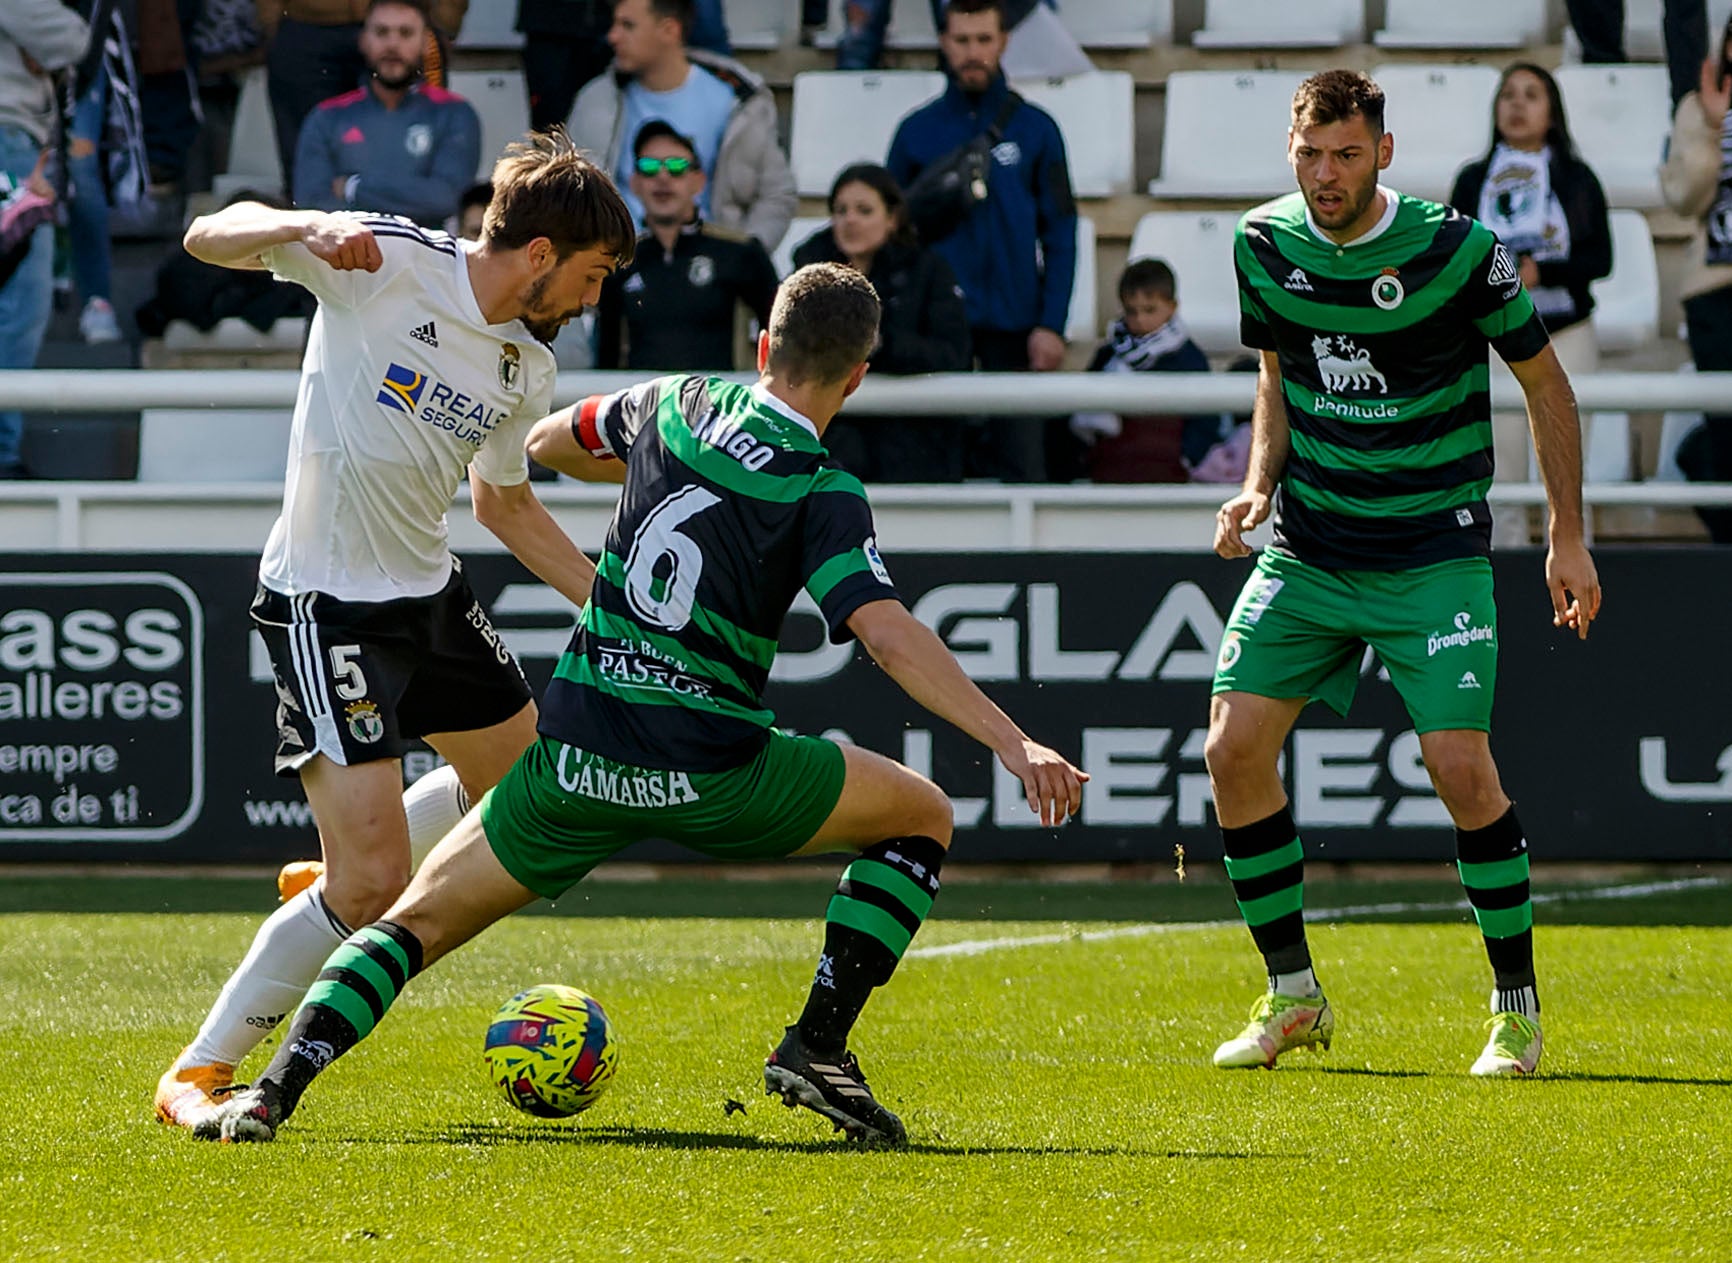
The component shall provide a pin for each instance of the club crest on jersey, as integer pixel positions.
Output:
(1344, 366)
(510, 359)
(365, 723)
(702, 271)
(1387, 290)
(1504, 274)
(402, 388)
(418, 140)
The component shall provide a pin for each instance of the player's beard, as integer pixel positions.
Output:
(399, 78)
(544, 328)
(1354, 203)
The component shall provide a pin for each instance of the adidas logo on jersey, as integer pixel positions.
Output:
(426, 333)
(1297, 281)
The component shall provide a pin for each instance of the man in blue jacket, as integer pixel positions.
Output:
(1015, 254)
(395, 145)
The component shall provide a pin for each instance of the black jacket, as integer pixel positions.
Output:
(923, 329)
(1584, 204)
(675, 310)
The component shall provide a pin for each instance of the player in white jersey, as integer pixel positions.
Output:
(427, 359)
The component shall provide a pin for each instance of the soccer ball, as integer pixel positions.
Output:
(551, 1051)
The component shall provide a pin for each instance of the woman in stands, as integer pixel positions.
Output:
(1547, 206)
(924, 327)
(1697, 182)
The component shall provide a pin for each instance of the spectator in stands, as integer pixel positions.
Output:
(1039, 46)
(87, 199)
(37, 38)
(923, 327)
(728, 112)
(168, 85)
(1697, 182)
(564, 47)
(472, 210)
(1547, 207)
(1147, 337)
(315, 54)
(1599, 25)
(395, 144)
(676, 302)
(1014, 251)
(202, 293)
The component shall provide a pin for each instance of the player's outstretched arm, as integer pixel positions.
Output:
(524, 525)
(913, 655)
(1270, 441)
(553, 443)
(1573, 581)
(235, 237)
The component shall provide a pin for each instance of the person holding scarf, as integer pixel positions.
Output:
(1547, 207)
(1697, 182)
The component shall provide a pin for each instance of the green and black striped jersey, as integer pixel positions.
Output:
(729, 509)
(1382, 347)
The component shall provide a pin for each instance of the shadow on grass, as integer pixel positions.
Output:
(1368, 1071)
(1583, 1076)
(683, 1139)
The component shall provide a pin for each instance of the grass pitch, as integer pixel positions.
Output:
(1057, 1092)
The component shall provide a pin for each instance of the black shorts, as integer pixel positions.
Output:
(356, 680)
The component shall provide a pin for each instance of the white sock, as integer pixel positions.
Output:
(1301, 983)
(286, 956)
(434, 805)
(1523, 1000)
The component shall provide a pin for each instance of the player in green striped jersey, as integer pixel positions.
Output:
(654, 724)
(1372, 449)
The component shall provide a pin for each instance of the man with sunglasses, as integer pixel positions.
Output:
(674, 307)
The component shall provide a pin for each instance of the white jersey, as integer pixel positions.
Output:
(403, 384)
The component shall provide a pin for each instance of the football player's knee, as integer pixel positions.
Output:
(362, 893)
(1463, 777)
(1234, 753)
(930, 813)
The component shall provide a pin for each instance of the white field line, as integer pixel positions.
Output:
(981, 946)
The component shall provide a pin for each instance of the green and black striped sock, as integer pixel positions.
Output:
(360, 980)
(1266, 865)
(880, 902)
(1494, 871)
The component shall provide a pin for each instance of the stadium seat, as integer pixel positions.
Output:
(1226, 134)
(210, 445)
(1643, 29)
(489, 26)
(848, 116)
(1199, 248)
(758, 25)
(1440, 117)
(1083, 322)
(1620, 117)
(1094, 113)
(1462, 24)
(798, 231)
(253, 142)
(1280, 24)
(501, 100)
(910, 25)
(1118, 23)
(1627, 303)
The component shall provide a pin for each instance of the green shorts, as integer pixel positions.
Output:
(1301, 631)
(560, 811)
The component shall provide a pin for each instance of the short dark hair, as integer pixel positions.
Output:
(661, 129)
(1333, 95)
(823, 324)
(679, 10)
(423, 7)
(545, 186)
(971, 6)
(881, 182)
(475, 195)
(1149, 276)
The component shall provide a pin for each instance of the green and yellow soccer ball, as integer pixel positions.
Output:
(551, 1051)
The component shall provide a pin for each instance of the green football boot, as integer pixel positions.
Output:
(1514, 1047)
(1278, 1023)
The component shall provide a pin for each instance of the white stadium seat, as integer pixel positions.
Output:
(847, 116)
(208, 445)
(1199, 249)
(1118, 23)
(910, 25)
(1083, 322)
(1620, 117)
(757, 25)
(1462, 24)
(488, 26)
(798, 230)
(1627, 303)
(1280, 24)
(1643, 27)
(1440, 117)
(1094, 113)
(1226, 134)
(501, 100)
(253, 143)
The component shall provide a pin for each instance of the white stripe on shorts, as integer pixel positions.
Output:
(310, 673)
